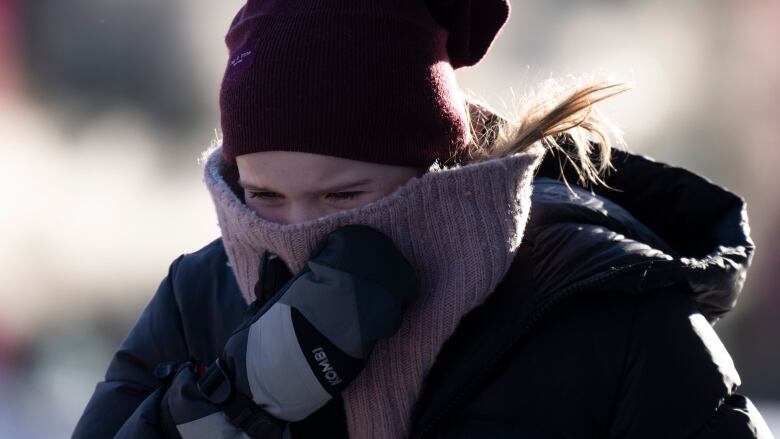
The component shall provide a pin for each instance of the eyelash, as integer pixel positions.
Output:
(341, 196)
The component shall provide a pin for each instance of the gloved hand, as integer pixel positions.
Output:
(312, 338)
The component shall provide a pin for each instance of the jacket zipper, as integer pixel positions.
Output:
(566, 292)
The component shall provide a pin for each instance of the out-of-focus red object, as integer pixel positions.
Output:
(11, 350)
(9, 57)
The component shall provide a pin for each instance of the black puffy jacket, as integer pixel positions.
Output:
(610, 336)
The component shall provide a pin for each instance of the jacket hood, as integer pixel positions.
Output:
(696, 232)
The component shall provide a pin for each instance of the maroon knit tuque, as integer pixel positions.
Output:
(368, 80)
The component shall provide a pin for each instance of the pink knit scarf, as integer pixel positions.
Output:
(459, 228)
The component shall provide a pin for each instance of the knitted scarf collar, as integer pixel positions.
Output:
(459, 227)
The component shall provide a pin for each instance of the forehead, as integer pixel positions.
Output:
(299, 171)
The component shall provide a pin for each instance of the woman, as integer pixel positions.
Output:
(398, 262)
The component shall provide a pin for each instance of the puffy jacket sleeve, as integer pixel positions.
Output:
(679, 380)
(128, 398)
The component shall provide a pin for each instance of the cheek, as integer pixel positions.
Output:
(265, 212)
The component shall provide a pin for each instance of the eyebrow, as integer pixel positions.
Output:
(252, 187)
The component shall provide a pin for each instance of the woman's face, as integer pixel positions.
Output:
(290, 187)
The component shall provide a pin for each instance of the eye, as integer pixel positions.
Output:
(341, 196)
(263, 195)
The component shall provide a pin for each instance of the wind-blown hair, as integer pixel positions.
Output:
(551, 114)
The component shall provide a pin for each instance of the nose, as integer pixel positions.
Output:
(300, 212)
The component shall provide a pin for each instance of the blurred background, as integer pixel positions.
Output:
(105, 107)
